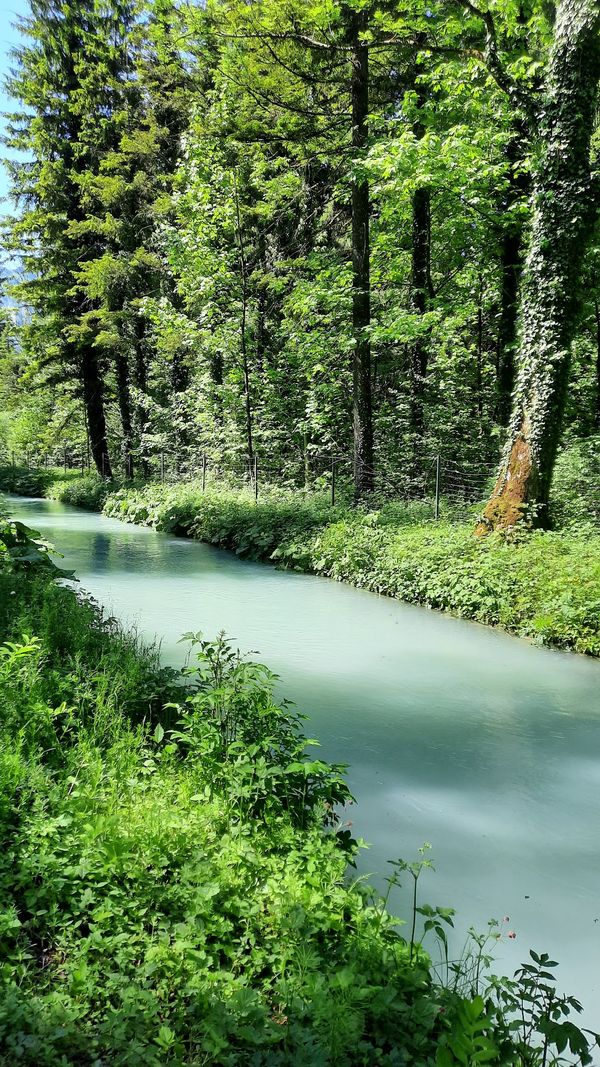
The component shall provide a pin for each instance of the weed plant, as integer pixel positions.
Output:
(174, 881)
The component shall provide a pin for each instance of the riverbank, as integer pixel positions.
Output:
(174, 887)
(544, 586)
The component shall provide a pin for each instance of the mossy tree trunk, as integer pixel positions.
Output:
(563, 213)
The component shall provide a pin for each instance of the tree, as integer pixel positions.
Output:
(64, 78)
(564, 204)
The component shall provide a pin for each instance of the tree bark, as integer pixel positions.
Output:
(93, 398)
(361, 266)
(243, 330)
(563, 212)
(511, 265)
(420, 296)
(421, 289)
(597, 406)
(125, 409)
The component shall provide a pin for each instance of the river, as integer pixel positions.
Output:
(455, 734)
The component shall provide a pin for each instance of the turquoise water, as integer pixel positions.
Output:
(483, 745)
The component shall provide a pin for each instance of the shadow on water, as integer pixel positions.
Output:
(455, 734)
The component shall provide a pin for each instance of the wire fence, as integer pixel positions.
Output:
(441, 484)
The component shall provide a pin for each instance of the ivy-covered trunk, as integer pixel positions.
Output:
(563, 212)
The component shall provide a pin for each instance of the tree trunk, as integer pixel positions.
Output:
(421, 289)
(511, 264)
(361, 266)
(141, 382)
(93, 398)
(420, 295)
(479, 364)
(244, 330)
(597, 407)
(125, 409)
(563, 212)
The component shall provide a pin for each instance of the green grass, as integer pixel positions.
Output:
(174, 883)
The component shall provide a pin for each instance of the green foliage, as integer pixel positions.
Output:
(160, 903)
(175, 891)
(228, 518)
(89, 491)
(29, 481)
(21, 549)
(541, 585)
(576, 484)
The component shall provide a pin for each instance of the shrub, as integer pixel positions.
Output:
(576, 484)
(89, 491)
(173, 876)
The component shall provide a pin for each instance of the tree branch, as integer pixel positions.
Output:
(520, 99)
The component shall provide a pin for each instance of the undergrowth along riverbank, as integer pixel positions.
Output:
(174, 883)
(540, 585)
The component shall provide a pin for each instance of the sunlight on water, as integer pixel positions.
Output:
(455, 734)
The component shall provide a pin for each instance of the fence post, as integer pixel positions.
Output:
(162, 466)
(204, 473)
(255, 479)
(333, 483)
(437, 486)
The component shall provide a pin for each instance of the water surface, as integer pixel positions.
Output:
(482, 744)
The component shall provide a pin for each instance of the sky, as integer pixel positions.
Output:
(9, 36)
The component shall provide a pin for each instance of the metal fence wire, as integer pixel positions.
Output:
(443, 484)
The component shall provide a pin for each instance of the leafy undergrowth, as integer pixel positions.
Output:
(541, 585)
(33, 481)
(173, 878)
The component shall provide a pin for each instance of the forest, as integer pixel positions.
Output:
(288, 235)
(316, 282)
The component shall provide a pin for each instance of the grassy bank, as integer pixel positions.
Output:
(540, 585)
(174, 888)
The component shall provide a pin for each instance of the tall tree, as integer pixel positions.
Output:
(362, 404)
(564, 208)
(64, 77)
